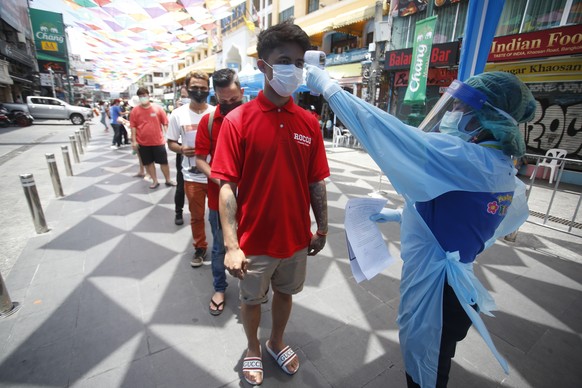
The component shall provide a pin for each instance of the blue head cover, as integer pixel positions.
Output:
(506, 92)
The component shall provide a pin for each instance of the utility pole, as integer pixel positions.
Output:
(52, 74)
(375, 71)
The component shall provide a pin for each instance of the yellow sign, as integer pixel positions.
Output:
(49, 46)
(568, 69)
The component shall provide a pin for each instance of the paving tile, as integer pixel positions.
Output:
(138, 373)
(33, 331)
(45, 366)
(99, 349)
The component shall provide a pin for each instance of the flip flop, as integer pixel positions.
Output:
(138, 175)
(218, 311)
(283, 358)
(252, 364)
(170, 183)
(155, 186)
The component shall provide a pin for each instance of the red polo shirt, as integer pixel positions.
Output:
(206, 147)
(272, 154)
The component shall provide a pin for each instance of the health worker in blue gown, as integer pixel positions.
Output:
(456, 175)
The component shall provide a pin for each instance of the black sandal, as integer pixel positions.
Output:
(218, 311)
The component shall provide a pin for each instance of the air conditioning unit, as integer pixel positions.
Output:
(21, 38)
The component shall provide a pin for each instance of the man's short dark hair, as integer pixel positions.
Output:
(141, 91)
(198, 75)
(285, 32)
(224, 78)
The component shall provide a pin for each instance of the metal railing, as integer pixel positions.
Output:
(563, 200)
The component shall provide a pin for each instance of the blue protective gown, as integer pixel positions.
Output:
(422, 167)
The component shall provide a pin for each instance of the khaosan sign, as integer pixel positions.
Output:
(49, 33)
(421, 51)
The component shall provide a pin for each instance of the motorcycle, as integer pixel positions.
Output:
(19, 118)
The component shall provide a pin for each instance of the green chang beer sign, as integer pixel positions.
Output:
(49, 32)
(416, 91)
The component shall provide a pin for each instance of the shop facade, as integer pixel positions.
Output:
(549, 62)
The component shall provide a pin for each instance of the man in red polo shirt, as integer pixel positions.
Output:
(270, 159)
(229, 95)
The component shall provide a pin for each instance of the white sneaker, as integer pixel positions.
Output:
(114, 147)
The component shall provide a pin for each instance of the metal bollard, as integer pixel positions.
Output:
(7, 307)
(53, 170)
(31, 194)
(88, 130)
(67, 160)
(79, 142)
(83, 137)
(73, 141)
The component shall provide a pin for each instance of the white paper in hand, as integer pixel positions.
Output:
(366, 247)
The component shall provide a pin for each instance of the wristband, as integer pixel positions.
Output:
(321, 234)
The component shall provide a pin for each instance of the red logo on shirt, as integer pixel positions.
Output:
(302, 139)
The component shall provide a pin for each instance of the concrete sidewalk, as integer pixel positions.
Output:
(108, 298)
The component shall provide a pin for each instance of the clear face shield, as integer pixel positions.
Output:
(454, 112)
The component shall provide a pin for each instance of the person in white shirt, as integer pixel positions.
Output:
(183, 126)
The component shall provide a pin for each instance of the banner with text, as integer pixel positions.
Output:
(49, 33)
(416, 91)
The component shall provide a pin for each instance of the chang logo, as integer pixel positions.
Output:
(49, 33)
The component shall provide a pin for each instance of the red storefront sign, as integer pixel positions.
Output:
(436, 77)
(545, 43)
(446, 54)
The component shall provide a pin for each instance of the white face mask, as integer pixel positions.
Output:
(185, 100)
(286, 79)
(454, 124)
(144, 100)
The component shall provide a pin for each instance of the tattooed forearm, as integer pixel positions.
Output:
(228, 209)
(318, 194)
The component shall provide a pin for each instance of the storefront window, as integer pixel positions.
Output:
(575, 16)
(450, 24)
(340, 42)
(527, 15)
(312, 5)
(286, 14)
(403, 30)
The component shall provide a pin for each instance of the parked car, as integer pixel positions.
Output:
(52, 109)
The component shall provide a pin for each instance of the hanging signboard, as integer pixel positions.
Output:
(49, 33)
(416, 91)
(546, 43)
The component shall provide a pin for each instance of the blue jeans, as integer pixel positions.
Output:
(218, 251)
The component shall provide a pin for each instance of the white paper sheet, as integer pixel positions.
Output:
(366, 247)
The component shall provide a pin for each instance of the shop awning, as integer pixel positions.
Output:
(333, 17)
(337, 15)
(46, 57)
(207, 65)
(349, 70)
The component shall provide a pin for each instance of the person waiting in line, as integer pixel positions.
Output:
(183, 126)
(148, 124)
(179, 195)
(104, 111)
(460, 192)
(124, 111)
(115, 112)
(229, 96)
(270, 160)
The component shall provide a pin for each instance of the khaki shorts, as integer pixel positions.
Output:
(286, 276)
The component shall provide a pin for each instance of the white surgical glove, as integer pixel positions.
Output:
(318, 81)
(387, 215)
